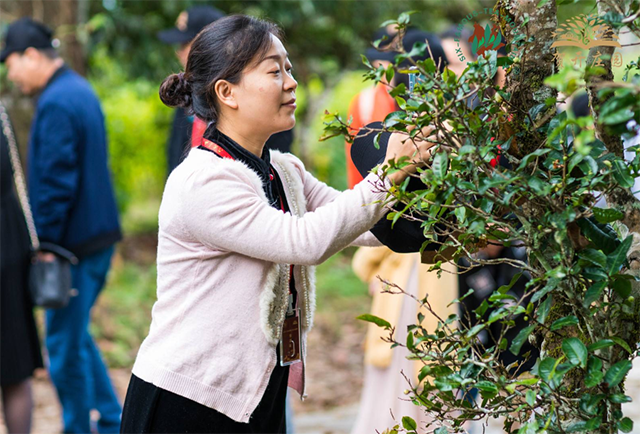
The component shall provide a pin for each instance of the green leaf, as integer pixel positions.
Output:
(596, 257)
(490, 390)
(550, 286)
(530, 396)
(374, 319)
(389, 74)
(604, 343)
(546, 368)
(599, 235)
(619, 256)
(625, 425)
(520, 339)
(409, 424)
(589, 166)
(475, 330)
(594, 372)
(544, 308)
(394, 118)
(539, 186)
(617, 372)
(621, 174)
(607, 215)
(620, 398)
(622, 287)
(440, 165)
(480, 310)
(593, 423)
(593, 293)
(622, 343)
(490, 66)
(564, 322)
(497, 315)
(577, 427)
(529, 157)
(575, 351)
(410, 344)
(618, 117)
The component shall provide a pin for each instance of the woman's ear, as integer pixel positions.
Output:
(225, 93)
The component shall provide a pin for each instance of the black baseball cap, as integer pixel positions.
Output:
(189, 24)
(380, 53)
(25, 33)
(414, 36)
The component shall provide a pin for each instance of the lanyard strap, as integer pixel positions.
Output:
(216, 149)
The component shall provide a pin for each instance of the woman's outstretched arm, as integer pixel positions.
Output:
(223, 210)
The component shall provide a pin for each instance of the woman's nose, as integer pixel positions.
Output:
(290, 83)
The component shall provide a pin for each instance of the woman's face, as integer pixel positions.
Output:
(265, 95)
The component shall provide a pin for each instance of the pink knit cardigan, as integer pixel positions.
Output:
(223, 255)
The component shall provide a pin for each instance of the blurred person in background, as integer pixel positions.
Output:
(456, 47)
(73, 205)
(187, 129)
(19, 343)
(374, 103)
(383, 383)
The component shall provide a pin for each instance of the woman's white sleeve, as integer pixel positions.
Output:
(222, 210)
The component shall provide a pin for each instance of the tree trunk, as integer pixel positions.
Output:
(525, 83)
(67, 20)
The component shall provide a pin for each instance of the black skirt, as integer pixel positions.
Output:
(150, 409)
(19, 343)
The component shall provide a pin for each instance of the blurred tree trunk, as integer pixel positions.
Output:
(63, 16)
(67, 19)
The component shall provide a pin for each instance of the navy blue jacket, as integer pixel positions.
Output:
(70, 187)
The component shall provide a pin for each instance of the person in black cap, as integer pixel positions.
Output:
(188, 25)
(28, 41)
(383, 384)
(74, 207)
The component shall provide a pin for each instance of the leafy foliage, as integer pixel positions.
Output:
(479, 190)
(137, 128)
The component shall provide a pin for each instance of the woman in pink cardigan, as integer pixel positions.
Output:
(241, 229)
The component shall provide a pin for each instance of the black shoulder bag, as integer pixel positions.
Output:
(49, 281)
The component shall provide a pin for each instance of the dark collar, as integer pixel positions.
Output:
(64, 68)
(55, 75)
(260, 165)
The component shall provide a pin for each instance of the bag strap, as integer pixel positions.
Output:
(18, 177)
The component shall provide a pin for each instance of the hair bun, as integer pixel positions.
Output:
(175, 91)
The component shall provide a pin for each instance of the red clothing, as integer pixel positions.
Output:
(370, 105)
(197, 131)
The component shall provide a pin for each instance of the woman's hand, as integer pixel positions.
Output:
(417, 150)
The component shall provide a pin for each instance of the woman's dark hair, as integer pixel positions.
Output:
(221, 51)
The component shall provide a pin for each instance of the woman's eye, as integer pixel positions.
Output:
(276, 71)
